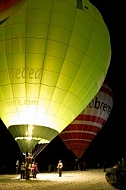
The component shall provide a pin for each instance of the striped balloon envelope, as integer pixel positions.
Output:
(84, 128)
(8, 7)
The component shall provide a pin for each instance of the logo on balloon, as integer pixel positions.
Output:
(21, 102)
(97, 104)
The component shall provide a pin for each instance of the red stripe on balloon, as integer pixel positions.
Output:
(81, 127)
(92, 118)
(106, 91)
(76, 136)
(5, 4)
(77, 144)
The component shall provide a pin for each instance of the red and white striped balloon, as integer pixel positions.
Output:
(80, 133)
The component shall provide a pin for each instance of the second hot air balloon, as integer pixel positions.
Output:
(81, 132)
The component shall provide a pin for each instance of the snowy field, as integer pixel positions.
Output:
(70, 180)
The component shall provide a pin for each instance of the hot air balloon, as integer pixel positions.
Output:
(8, 7)
(54, 56)
(81, 132)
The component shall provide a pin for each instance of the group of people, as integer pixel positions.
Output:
(28, 169)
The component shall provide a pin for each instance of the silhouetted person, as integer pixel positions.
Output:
(35, 169)
(104, 166)
(27, 170)
(49, 168)
(60, 167)
(84, 166)
(122, 164)
(22, 169)
(17, 166)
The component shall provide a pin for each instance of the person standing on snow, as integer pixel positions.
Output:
(60, 167)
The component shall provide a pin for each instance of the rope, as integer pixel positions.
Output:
(38, 149)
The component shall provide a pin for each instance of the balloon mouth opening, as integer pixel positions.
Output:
(27, 134)
(29, 138)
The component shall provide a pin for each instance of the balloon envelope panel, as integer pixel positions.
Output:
(54, 57)
(80, 133)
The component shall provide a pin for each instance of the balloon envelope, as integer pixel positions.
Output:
(54, 56)
(80, 133)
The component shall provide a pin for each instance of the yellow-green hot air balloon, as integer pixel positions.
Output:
(54, 56)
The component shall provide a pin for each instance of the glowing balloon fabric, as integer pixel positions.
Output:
(80, 133)
(54, 56)
(7, 7)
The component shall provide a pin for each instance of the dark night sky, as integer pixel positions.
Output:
(111, 140)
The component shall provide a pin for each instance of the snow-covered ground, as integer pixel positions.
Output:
(70, 180)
